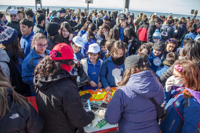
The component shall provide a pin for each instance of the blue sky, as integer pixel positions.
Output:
(167, 6)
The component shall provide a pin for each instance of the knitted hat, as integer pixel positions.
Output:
(52, 28)
(160, 46)
(156, 34)
(133, 60)
(7, 35)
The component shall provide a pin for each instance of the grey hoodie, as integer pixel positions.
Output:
(4, 60)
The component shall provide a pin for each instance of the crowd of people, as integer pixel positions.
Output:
(53, 55)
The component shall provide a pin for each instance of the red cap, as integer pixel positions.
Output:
(64, 49)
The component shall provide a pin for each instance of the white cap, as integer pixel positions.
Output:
(155, 13)
(12, 11)
(94, 48)
(78, 41)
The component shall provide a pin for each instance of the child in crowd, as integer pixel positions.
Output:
(108, 46)
(171, 45)
(26, 27)
(103, 49)
(113, 67)
(90, 39)
(33, 58)
(77, 44)
(144, 48)
(170, 59)
(156, 36)
(92, 66)
(157, 57)
(145, 57)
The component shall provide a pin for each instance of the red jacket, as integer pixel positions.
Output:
(142, 32)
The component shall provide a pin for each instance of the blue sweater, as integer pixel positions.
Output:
(26, 43)
(189, 35)
(106, 76)
(28, 66)
(93, 73)
(161, 70)
(79, 55)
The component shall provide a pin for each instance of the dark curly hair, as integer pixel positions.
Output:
(48, 67)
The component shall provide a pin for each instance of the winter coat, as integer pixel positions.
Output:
(28, 66)
(72, 23)
(38, 29)
(137, 21)
(189, 35)
(26, 43)
(4, 60)
(121, 34)
(181, 31)
(3, 23)
(84, 62)
(59, 103)
(183, 114)
(131, 107)
(142, 32)
(98, 22)
(16, 26)
(106, 76)
(68, 17)
(161, 70)
(133, 46)
(170, 30)
(151, 30)
(59, 20)
(20, 120)
(50, 44)
(164, 76)
(78, 27)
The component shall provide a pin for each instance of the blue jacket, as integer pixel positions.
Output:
(189, 110)
(181, 30)
(161, 70)
(4, 23)
(106, 76)
(87, 43)
(26, 43)
(131, 107)
(79, 55)
(151, 60)
(121, 33)
(170, 30)
(28, 66)
(189, 35)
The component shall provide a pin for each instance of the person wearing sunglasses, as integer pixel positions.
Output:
(14, 22)
(152, 28)
(34, 57)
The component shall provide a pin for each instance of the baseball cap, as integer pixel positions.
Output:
(133, 60)
(122, 16)
(94, 48)
(62, 10)
(78, 41)
(62, 51)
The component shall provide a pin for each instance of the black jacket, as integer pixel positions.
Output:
(59, 20)
(150, 32)
(78, 27)
(16, 26)
(19, 120)
(38, 29)
(68, 17)
(72, 23)
(98, 22)
(59, 103)
(134, 46)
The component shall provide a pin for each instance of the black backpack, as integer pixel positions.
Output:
(161, 112)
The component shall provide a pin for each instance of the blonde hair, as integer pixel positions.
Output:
(38, 36)
(17, 98)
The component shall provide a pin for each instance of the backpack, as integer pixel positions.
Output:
(161, 112)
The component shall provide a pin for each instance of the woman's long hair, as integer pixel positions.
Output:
(14, 50)
(57, 38)
(108, 46)
(114, 33)
(69, 28)
(85, 26)
(91, 29)
(100, 31)
(17, 98)
(194, 53)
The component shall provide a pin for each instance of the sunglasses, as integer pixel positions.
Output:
(13, 15)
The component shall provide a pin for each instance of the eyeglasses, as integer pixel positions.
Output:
(41, 45)
(13, 15)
